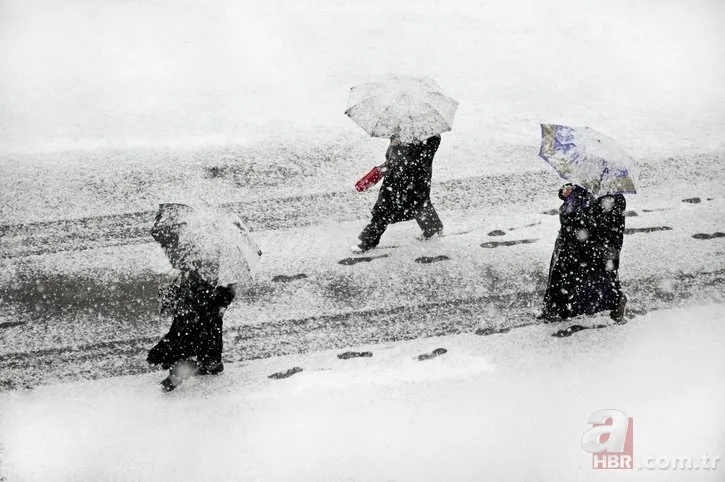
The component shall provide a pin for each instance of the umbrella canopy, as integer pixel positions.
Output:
(211, 241)
(588, 158)
(410, 108)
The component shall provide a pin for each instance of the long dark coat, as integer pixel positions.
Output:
(583, 276)
(406, 185)
(196, 330)
(607, 230)
(570, 262)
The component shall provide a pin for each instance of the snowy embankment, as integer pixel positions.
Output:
(504, 407)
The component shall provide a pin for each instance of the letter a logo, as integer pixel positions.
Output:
(610, 439)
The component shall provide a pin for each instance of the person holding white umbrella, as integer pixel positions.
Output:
(214, 254)
(411, 112)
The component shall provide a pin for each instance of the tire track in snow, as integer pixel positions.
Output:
(263, 214)
(276, 213)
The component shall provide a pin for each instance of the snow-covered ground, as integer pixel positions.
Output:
(505, 407)
(108, 108)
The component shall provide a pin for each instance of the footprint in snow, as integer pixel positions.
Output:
(717, 234)
(496, 244)
(490, 330)
(431, 259)
(354, 354)
(433, 354)
(651, 229)
(499, 232)
(361, 259)
(285, 374)
(531, 225)
(285, 278)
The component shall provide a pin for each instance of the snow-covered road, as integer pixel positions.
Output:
(86, 313)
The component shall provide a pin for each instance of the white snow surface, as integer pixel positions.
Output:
(503, 407)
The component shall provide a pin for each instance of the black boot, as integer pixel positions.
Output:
(181, 371)
(618, 312)
(214, 368)
(170, 383)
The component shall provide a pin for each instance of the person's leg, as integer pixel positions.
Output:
(170, 348)
(174, 352)
(428, 220)
(371, 234)
(566, 279)
(181, 371)
(617, 295)
(210, 349)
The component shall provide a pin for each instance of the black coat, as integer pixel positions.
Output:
(607, 226)
(570, 261)
(607, 214)
(406, 185)
(197, 308)
(583, 276)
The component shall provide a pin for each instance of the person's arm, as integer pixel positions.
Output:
(389, 154)
(224, 295)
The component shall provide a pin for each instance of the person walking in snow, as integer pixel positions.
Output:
(405, 192)
(570, 261)
(607, 231)
(583, 273)
(215, 256)
(193, 345)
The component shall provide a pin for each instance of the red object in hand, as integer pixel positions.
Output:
(370, 179)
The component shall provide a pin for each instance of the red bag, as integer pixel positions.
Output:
(370, 179)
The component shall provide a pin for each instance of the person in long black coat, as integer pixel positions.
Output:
(405, 191)
(193, 344)
(583, 274)
(570, 264)
(608, 223)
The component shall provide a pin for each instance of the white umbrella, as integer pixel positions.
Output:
(209, 240)
(411, 108)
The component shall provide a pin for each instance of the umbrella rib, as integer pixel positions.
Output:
(383, 114)
(435, 111)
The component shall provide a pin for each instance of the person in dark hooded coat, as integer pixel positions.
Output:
(583, 274)
(193, 345)
(405, 192)
(570, 261)
(607, 230)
